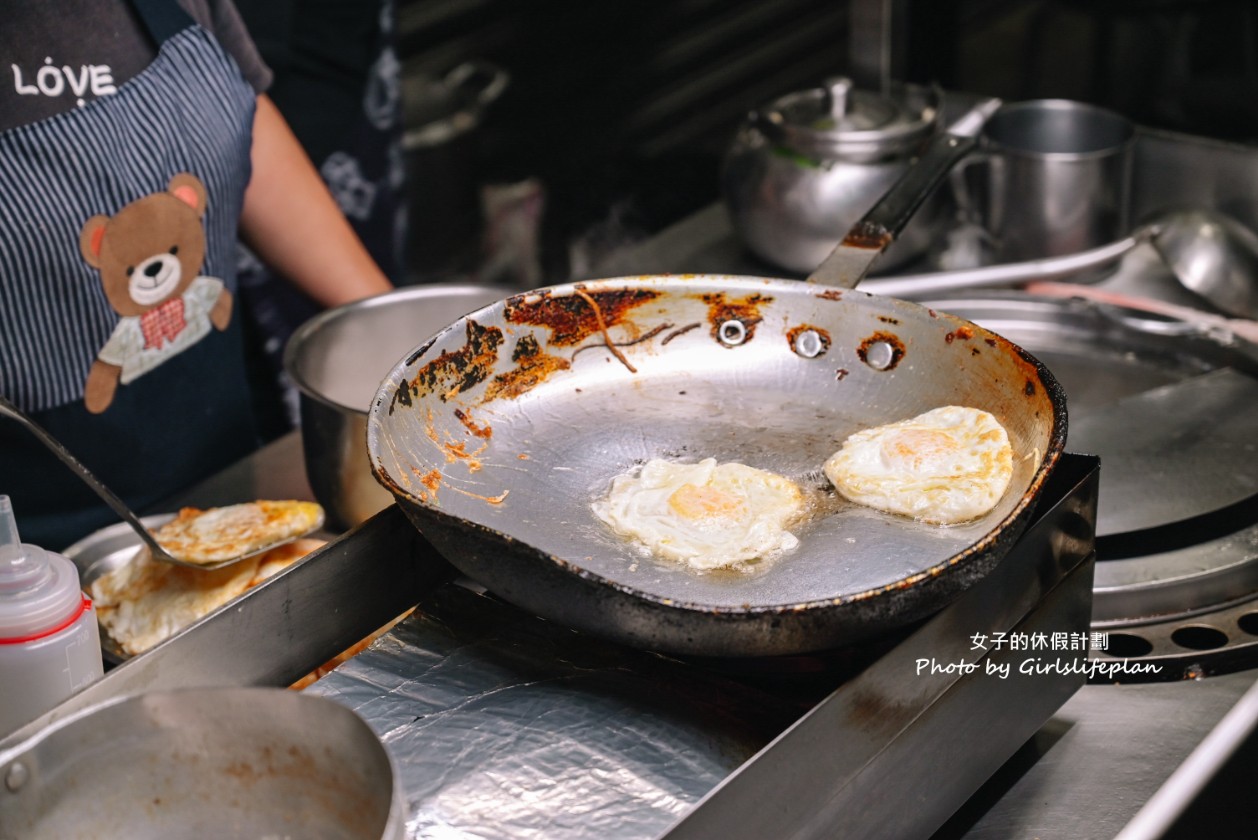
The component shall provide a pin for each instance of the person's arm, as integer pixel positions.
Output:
(292, 223)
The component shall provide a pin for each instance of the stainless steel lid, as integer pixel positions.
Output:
(838, 121)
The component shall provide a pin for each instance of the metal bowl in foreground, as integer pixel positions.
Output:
(337, 360)
(211, 762)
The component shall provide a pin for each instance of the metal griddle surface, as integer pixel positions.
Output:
(1174, 452)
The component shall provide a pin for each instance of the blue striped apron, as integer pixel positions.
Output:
(178, 402)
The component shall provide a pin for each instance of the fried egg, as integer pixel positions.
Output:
(946, 466)
(704, 515)
(145, 601)
(208, 536)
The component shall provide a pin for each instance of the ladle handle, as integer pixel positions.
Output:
(1001, 275)
(107, 496)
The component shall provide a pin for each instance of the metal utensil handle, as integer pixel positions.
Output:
(874, 233)
(850, 260)
(1229, 331)
(1002, 275)
(54, 446)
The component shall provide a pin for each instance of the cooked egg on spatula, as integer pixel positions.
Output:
(213, 536)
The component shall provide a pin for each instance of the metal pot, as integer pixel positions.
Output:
(337, 360)
(210, 762)
(804, 170)
(442, 153)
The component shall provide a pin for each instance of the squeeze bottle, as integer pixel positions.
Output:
(49, 641)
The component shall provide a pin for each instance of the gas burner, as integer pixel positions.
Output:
(1182, 597)
(1188, 647)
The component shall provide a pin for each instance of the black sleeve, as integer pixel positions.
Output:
(221, 18)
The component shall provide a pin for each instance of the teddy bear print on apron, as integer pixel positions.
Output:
(117, 279)
(148, 255)
(190, 111)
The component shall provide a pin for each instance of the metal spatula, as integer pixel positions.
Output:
(119, 507)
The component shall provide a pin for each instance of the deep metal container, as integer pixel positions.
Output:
(337, 360)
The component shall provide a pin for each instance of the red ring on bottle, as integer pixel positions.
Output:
(84, 605)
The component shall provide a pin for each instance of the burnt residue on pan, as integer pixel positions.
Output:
(646, 336)
(868, 236)
(454, 372)
(570, 318)
(432, 483)
(680, 331)
(891, 340)
(1032, 371)
(485, 431)
(793, 334)
(533, 366)
(453, 448)
(746, 310)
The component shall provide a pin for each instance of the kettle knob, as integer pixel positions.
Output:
(839, 87)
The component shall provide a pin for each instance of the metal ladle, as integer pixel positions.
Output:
(1209, 253)
(7, 409)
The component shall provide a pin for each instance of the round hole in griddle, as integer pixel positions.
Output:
(809, 344)
(1248, 623)
(879, 355)
(732, 332)
(1199, 637)
(1127, 646)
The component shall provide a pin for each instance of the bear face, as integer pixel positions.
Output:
(150, 250)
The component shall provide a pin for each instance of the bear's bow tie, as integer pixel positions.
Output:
(163, 323)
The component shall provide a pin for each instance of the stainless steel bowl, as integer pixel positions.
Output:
(220, 762)
(337, 360)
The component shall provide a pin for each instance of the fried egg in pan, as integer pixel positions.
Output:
(705, 515)
(946, 466)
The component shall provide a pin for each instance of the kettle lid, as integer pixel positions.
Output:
(839, 120)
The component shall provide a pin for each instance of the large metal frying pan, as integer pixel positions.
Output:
(497, 435)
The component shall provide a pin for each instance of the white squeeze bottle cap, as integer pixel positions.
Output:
(36, 593)
(49, 641)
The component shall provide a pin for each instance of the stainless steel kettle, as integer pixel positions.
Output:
(806, 168)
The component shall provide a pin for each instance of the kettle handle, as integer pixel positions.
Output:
(482, 81)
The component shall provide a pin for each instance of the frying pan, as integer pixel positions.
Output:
(498, 434)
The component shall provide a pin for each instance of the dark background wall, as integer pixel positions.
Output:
(621, 109)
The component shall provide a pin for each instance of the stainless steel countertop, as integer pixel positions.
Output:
(1084, 775)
